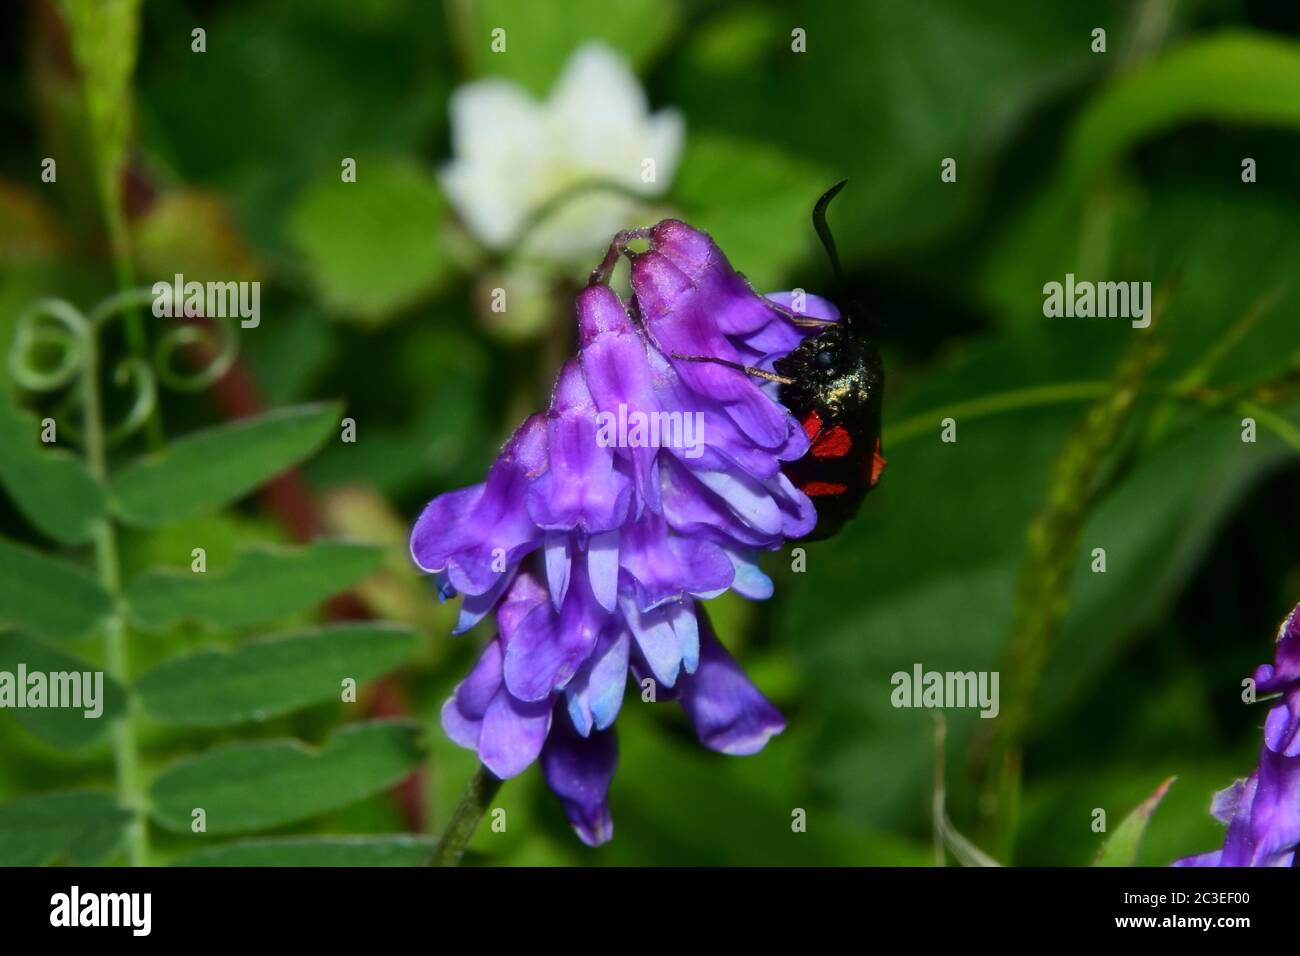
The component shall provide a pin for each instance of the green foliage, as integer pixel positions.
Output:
(272, 676)
(261, 586)
(372, 247)
(63, 726)
(104, 36)
(318, 851)
(735, 204)
(48, 596)
(214, 467)
(53, 489)
(1231, 77)
(1121, 849)
(538, 41)
(79, 828)
(246, 787)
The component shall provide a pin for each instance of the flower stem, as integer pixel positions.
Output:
(125, 756)
(1043, 591)
(996, 403)
(483, 786)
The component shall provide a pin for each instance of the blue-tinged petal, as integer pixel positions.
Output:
(693, 511)
(656, 639)
(748, 499)
(608, 680)
(595, 694)
(602, 568)
(749, 580)
(559, 563)
(476, 606)
(687, 629)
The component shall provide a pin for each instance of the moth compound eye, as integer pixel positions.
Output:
(825, 359)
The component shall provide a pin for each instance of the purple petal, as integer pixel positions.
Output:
(798, 516)
(1285, 669)
(1275, 809)
(684, 321)
(546, 651)
(618, 374)
(462, 714)
(534, 655)
(581, 490)
(1282, 726)
(724, 444)
(665, 567)
(814, 306)
(579, 770)
(476, 533)
(476, 691)
(1227, 803)
(729, 713)
(692, 510)
(747, 499)
(513, 734)
(525, 594)
(736, 308)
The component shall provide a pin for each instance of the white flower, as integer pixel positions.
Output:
(513, 155)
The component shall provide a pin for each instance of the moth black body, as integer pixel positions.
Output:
(833, 383)
(835, 392)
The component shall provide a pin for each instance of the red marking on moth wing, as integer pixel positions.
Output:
(833, 444)
(812, 424)
(817, 489)
(875, 466)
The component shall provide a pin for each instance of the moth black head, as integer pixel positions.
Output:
(838, 372)
(834, 383)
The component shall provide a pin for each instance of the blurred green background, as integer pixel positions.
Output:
(1125, 164)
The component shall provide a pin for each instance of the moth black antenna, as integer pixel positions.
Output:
(824, 232)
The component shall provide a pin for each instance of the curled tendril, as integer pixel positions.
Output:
(48, 325)
(57, 327)
(135, 372)
(219, 346)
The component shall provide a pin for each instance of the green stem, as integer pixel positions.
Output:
(125, 753)
(124, 270)
(1033, 397)
(1063, 393)
(1288, 432)
(483, 786)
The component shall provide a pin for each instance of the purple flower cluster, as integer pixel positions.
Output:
(1263, 811)
(595, 555)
